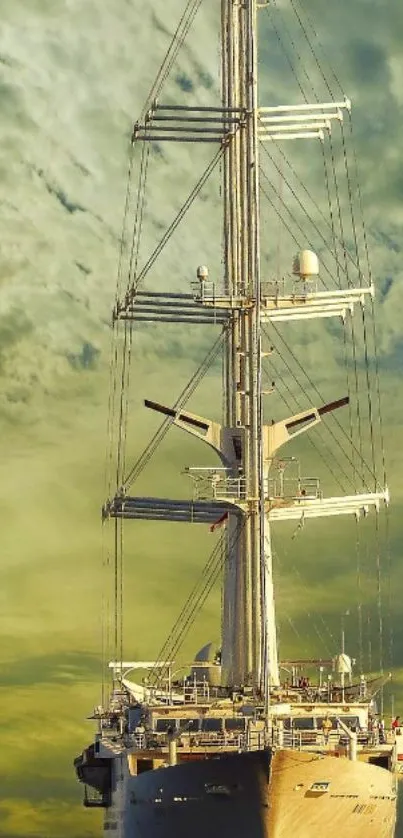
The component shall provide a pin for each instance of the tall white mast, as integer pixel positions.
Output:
(247, 447)
(248, 626)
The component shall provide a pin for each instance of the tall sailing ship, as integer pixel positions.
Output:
(238, 742)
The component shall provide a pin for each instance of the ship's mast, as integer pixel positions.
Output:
(239, 489)
(248, 598)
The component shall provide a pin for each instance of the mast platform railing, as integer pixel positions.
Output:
(216, 484)
(293, 489)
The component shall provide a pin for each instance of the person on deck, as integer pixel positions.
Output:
(326, 728)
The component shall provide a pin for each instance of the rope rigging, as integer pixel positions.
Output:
(188, 614)
(347, 260)
(180, 403)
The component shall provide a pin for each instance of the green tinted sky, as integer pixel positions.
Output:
(73, 76)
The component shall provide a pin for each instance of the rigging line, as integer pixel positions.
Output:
(288, 228)
(293, 218)
(121, 429)
(379, 590)
(301, 205)
(177, 220)
(176, 43)
(331, 69)
(390, 588)
(369, 641)
(373, 320)
(350, 197)
(114, 337)
(138, 219)
(369, 395)
(345, 342)
(220, 557)
(364, 323)
(190, 387)
(313, 385)
(166, 655)
(297, 53)
(194, 603)
(197, 599)
(307, 590)
(347, 366)
(328, 429)
(126, 402)
(350, 409)
(113, 364)
(359, 593)
(121, 590)
(308, 194)
(330, 207)
(281, 42)
(342, 238)
(124, 221)
(308, 614)
(315, 57)
(309, 438)
(298, 634)
(116, 591)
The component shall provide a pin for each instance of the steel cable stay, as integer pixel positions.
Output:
(330, 226)
(306, 213)
(133, 262)
(106, 554)
(364, 324)
(120, 458)
(121, 571)
(170, 647)
(317, 430)
(359, 596)
(114, 351)
(293, 218)
(194, 603)
(301, 639)
(330, 67)
(139, 213)
(176, 44)
(350, 199)
(311, 441)
(174, 224)
(180, 402)
(297, 53)
(207, 583)
(345, 342)
(316, 390)
(391, 639)
(286, 55)
(379, 597)
(307, 613)
(312, 50)
(355, 468)
(126, 212)
(331, 214)
(373, 321)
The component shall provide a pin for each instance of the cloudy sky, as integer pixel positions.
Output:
(73, 77)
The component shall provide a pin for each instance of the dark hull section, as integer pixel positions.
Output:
(214, 798)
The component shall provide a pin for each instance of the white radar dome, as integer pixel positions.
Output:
(342, 664)
(202, 272)
(306, 264)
